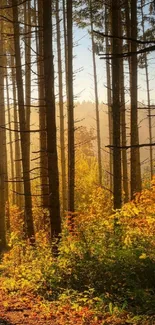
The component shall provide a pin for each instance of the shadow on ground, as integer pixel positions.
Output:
(4, 322)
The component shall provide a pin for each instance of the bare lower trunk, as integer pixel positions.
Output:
(42, 114)
(10, 141)
(131, 31)
(18, 165)
(123, 126)
(96, 102)
(135, 155)
(22, 126)
(27, 19)
(2, 149)
(71, 149)
(109, 99)
(116, 107)
(54, 204)
(123, 138)
(61, 112)
(148, 99)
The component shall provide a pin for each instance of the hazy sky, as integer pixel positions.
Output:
(83, 83)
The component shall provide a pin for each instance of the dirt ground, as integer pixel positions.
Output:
(31, 310)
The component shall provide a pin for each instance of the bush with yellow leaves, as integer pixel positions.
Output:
(111, 253)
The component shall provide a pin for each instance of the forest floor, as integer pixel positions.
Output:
(23, 310)
(28, 309)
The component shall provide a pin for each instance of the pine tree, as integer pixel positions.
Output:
(42, 113)
(71, 149)
(116, 106)
(29, 227)
(96, 97)
(61, 112)
(54, 204)
(2, 147)
(135, 154)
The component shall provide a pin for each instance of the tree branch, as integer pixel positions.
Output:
(124, 38)
(132, 146)
(128, 54)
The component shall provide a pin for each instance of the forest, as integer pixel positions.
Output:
(77, 166)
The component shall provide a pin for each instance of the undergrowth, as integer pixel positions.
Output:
(107, 263)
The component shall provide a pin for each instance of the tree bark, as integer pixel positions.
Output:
(54, 204)
(123, 123)
(148, 99)
(61, 112)
(96, 101)
(135, 154)
(18, 165)
(109, 99)
(42, 114)
(116, 107)
(11, 142)
(22, 126)
(71, 149)
(2, 148)
(65, 45)
(27, 20)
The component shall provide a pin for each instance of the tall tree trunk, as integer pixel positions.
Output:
(65, 45)
(22, 126)
(128, 32)
(96, 101)
(116, 106)
(61, 112)
(10, 140)
(135, 155)
(6, 189)
(42, 114)
(66, 81)
(123, 123)
(2, 147)
(27, 19)
(5, 159)
(71, 149)
(54, 204)
(18, 165)
(123, 136)
(148, 98)
(109, 99)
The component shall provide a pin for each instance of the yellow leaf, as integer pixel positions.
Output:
(143, 256)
